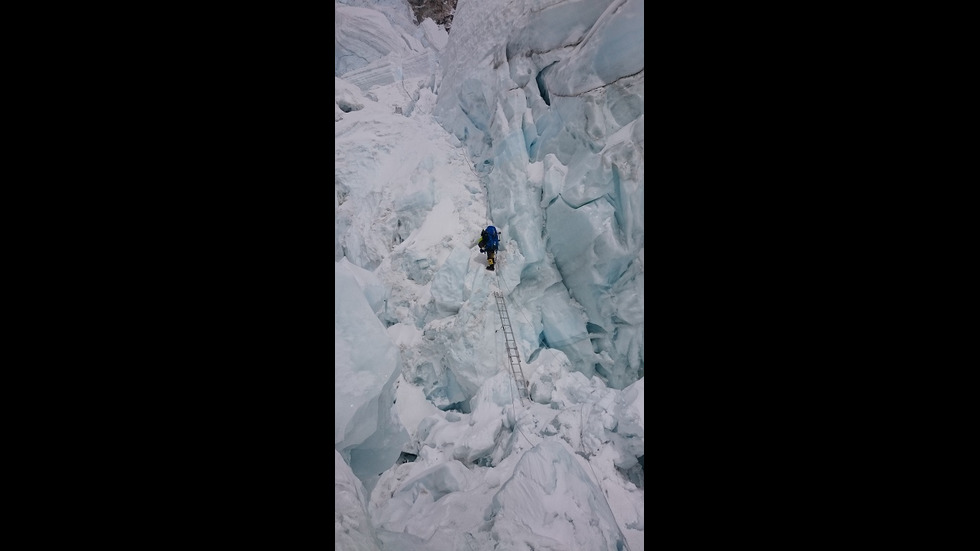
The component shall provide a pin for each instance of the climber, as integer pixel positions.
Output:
(489, 239)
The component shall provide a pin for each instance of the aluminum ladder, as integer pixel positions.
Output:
(513, 355)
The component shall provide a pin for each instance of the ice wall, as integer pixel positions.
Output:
(352, 525)
(548, 98)
(363, 36)
(376, 42)
(364, 358)
(367, 430)
(561, 159)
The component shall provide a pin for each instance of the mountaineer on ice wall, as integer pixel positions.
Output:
(489, 238)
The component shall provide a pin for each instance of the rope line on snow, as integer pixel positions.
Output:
(602, 491)
(511, 383)
(513, 352)
(512, 401)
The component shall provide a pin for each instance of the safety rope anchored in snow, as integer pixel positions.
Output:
(513, 412)
(513, 409)
(513, 354)
(509, 336)
(602, 491)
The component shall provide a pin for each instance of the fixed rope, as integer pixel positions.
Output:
(513, 354)
(515, 362)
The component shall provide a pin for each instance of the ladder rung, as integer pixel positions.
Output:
(513, 353)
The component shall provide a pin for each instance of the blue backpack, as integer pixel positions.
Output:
(492, 238)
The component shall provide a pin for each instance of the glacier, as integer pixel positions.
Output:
(528, 115)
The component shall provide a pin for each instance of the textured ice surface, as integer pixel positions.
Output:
(528, 116)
